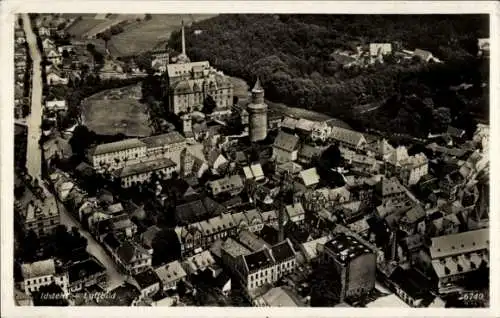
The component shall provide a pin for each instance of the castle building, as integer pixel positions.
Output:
(257, 111)
(189, 84)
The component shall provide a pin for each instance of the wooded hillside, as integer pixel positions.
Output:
(292, 54)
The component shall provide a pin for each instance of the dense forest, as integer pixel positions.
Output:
(292, 55)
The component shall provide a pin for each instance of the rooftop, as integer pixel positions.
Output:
(309, 177)
(286, 142)
(461, 243)
(170, 138)
(234, 248)
(145, 167)
(82, 270)
(172, 271)
(258, 260)
(252, 241)
(283, 251)
(118, 146)
(38, 269)
(347, 136)
(345, 247)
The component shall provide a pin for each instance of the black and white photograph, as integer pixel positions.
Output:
(251, 160)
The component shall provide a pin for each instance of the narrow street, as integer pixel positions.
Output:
(34, 120)
(115, 278)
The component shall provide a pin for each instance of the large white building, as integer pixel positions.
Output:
(143, 171)
(42, 273)
(115, 155)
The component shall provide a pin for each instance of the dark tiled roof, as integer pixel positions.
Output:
(164, 139)
(111, 240)
(82, 270)
(213, 207)
(258, 260)
(147, 278)
(126, 251)
(190, 212)
(282, 252)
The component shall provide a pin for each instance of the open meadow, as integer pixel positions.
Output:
(147, 34)
(117, 111)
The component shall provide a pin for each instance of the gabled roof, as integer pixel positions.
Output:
(388, 186)
(174, 70)
(146, 278)
(294, 209)
(258, 259)
(170, 272)
(234, 248)
(163, 139)
(286, 142)
(146, 166)
(118, 146)
(289, 123)
(461, 243)
(252, 241)
(38, 269)
(82, 270)
(309, 177)
(347, 136)
(305, 125)
(415, 214)
(308, 151)
(253, 171)
(283, 251)
(149, 235)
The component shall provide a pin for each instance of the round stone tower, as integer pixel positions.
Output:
(257, 113)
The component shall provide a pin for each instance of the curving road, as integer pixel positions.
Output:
(34, 158)
(34, 120)
(114, 277)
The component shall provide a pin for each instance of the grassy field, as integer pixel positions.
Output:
(117, 111)
(145, 35)
(80, 28)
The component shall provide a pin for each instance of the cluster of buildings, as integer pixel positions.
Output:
(376, 52)
(21, 72)
(415, 221)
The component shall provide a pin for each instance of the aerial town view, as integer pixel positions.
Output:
(267, 160)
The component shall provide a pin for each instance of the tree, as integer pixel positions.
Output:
(442, 118)
(148, 17)
(325, 286)
(105, 36)
(166, 247)
(30, 246)
(81, 140)
(90, 47)
(209, 105)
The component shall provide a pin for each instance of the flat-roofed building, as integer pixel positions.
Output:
(354, 262)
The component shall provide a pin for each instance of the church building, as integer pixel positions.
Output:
(189, 84)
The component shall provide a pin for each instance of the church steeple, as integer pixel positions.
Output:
(183, 39)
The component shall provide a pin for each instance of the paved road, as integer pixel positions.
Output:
(34, 120)
(115, 278)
